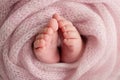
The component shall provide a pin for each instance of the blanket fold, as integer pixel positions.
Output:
(97, 20)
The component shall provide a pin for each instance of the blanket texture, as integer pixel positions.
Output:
(97, 20)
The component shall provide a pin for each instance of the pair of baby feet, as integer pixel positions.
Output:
(46, 43)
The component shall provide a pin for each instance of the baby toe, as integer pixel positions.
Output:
(71, 35)
(39, 43)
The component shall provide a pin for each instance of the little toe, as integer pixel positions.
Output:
(39, 43)
(68, 28)
(39, 36)
(42, 36)
(71, 35)
(48, 30)
(70, 42)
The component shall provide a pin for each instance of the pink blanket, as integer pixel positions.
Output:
(97, 20)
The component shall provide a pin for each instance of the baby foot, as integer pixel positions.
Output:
(71, 40)
(45, 45)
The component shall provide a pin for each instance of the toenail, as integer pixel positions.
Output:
(36, 42)
(65, 40)
(65, 34)
(50, 31)
(61, 22)
(70, 23)
(39, 36)
(46, 29)
(63, 29)
(41, 40)
(46, 37)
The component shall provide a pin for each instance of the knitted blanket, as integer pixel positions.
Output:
(97, 20)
